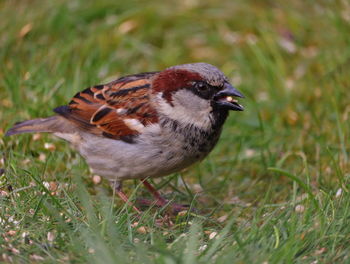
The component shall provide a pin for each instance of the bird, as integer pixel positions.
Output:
(144, 125)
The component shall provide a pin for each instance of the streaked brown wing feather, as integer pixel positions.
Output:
(103, 109)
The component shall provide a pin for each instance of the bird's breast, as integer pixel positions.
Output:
(161, 150)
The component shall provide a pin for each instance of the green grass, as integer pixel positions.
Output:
(275, 189)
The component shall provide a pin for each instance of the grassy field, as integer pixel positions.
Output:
(274, 190)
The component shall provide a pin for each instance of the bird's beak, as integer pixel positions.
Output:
(224, 98)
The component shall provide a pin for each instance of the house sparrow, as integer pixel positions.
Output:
(144, 125)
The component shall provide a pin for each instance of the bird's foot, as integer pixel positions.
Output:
(173, 208)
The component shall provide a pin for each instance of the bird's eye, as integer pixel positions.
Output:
(201, 86)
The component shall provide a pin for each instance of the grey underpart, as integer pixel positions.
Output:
(155, 153)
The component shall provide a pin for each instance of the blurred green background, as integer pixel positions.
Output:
(280, 171)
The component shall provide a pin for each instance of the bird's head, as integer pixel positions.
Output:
(196, 93)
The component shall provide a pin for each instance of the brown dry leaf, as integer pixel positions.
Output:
(6, 103)
(25, 30)
(195, 42)
(53, 186)
(96, 179)
(50, 236)
(42, 157)
(229, 36)
(299, 208)
(263, 96)
(3, 193)
(134, 224)
(36, 136)
(26, 76)
(236, 201)
(251, 38)
(142, 230)
(197, 188)
(320, 251)
(26, 161)
(309, 52)
(222, 219)
(127, 26)
(288, 45)
(49, 146)
(6, 258)
(11, 232)
(249, 153)
(289, 84)
(36, 257)
(15, 251)
(212, 235)
(182, 213)
(300, 71)
(339, 192)
(292, 117)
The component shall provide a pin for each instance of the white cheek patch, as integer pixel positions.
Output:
(187, 108)
(134, 124)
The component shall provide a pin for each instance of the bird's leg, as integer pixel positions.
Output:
(118, 190)
(160, 201)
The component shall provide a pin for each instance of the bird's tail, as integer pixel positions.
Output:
(50, 124)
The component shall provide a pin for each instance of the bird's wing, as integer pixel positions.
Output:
(118, 110)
